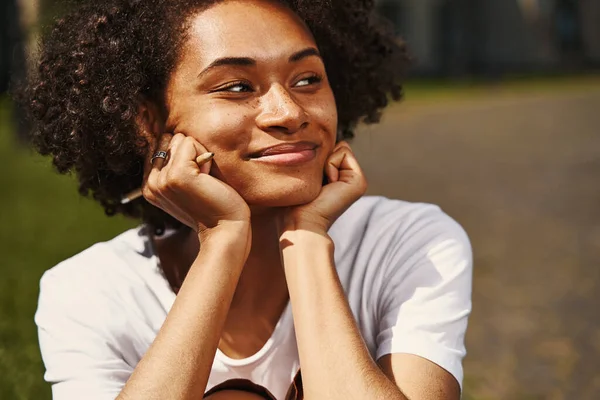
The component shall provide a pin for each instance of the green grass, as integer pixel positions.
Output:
(43, 221)
(440, 90)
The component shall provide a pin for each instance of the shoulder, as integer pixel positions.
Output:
(102, 279)
(399, 230)
(98, 312)
(409, 275)
(102, 264)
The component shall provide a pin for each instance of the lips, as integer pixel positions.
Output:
(286, 154)
(284, 148)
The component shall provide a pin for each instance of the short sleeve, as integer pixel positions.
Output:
(426, 294)
(77, 341)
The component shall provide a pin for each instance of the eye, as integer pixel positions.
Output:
(310, 80)
(235, 87)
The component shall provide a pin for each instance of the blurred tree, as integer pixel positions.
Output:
(13, 67)
(461, 36)
(568, 32)
(12, 45)
(589, 15)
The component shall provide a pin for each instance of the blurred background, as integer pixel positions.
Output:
(500, 126)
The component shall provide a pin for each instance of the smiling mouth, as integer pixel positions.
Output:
(287, 153)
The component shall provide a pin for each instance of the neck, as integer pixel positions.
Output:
(261, 294)
(262, 284)
(262, 281)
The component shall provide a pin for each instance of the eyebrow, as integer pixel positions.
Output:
(250, 62)
(235, 61)
(310, 51)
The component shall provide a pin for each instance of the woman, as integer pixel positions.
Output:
(264, 259)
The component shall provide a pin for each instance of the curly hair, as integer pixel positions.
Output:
(98, 61)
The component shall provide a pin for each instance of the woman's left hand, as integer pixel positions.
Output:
(347, 183)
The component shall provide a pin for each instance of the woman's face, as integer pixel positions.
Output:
(251, 78)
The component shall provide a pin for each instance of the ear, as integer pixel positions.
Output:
(150, 120)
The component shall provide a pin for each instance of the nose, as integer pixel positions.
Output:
(280, 112)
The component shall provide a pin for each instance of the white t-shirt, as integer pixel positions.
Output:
(405, 267)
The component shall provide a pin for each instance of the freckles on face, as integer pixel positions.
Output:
(239, 91)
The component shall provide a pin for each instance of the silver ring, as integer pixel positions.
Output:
(158, 154)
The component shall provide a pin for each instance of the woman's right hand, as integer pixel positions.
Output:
(185, 190)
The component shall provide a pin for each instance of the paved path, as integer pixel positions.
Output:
(521, 173)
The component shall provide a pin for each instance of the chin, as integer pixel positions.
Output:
(285, 193)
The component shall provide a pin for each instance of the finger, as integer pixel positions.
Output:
(187, 154)
(342, 144)
(175, 142)
(159, 177)
(334, 160)
(331, 166)
(350, 170)
(153, 167)
(163, 145)
(343, 166)
(150, 172)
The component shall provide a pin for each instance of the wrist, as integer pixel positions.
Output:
(231, 236)
(306, 255)
(306, 237)
(292, 223)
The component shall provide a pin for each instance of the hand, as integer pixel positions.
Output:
(185, 190)
(346, 184)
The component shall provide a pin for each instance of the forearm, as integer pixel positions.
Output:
(334, 359)
(178, 363)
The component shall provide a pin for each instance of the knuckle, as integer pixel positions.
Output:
(172, 141)
(162, 183)
(189, 140)
(169, 176)
(148, 194)
(363, 184)
(173, 179)
(342, 145)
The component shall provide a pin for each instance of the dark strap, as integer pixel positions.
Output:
(243, 385)
(295, 392)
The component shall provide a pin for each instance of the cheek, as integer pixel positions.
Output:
(222, 130)
(325, 109)
(325, 116)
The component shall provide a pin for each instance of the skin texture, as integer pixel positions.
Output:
(257, 220)
(276, 100)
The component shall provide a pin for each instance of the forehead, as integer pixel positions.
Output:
(257, 29)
